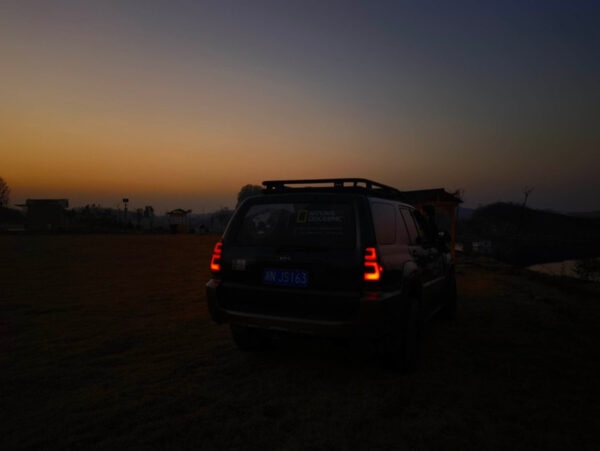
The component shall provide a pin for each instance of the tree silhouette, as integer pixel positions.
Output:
(4, 193)
(249, 191)
(149, 213)
(220, 218)
(139, 214)
(527, 190)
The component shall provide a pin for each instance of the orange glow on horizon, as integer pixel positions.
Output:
(184, 104)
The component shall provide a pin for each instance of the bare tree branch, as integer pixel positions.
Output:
(4, 193)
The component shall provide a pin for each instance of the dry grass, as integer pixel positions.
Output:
(106, 341)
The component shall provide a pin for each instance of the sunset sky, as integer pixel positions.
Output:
(180, 103)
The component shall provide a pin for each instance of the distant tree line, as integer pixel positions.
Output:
(588, 268)
(4, 193)
(249, 191)
(95, 218)
(523, 235)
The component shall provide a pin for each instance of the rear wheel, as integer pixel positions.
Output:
(248, 338)
(449, 306)
(402, 343)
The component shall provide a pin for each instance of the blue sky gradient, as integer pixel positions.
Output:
(181, 103)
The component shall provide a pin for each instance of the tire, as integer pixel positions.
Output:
(248, 338)
(402, 343)
(450, 304)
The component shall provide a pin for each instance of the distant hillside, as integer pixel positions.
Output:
(525, 235)
(585, 214)
(465, 213)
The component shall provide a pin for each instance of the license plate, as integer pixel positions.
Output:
(285, 277)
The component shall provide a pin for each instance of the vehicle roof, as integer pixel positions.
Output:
(361, 186)
(403, 204)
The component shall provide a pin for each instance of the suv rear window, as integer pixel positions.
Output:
(306, 225)
(384, 217)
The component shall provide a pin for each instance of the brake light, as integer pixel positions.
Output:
(372, 269)
(215, 264)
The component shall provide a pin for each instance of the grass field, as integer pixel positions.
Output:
(106, 342)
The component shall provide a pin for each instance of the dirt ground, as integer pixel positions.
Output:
(106, 341)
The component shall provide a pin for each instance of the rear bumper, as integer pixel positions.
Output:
(371, 311)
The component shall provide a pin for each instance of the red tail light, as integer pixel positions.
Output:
(215, 264)
(372, 268)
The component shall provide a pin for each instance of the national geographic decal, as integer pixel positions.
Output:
(318, 216)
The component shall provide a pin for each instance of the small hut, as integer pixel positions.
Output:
(443, 202)
(179, 221)
(46, 214)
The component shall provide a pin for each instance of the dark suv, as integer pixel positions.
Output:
(332, 257)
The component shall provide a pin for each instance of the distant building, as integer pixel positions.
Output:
(179, 221)
(46, 214)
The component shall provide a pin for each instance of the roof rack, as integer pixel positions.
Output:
(338, 184)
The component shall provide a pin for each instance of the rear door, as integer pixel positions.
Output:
(296, 251)
(316, 237)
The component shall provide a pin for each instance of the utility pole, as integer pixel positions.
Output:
(125, 202)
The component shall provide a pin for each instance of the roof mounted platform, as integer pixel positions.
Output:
(334, 185)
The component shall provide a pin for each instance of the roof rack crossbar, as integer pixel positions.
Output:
(335, 184)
